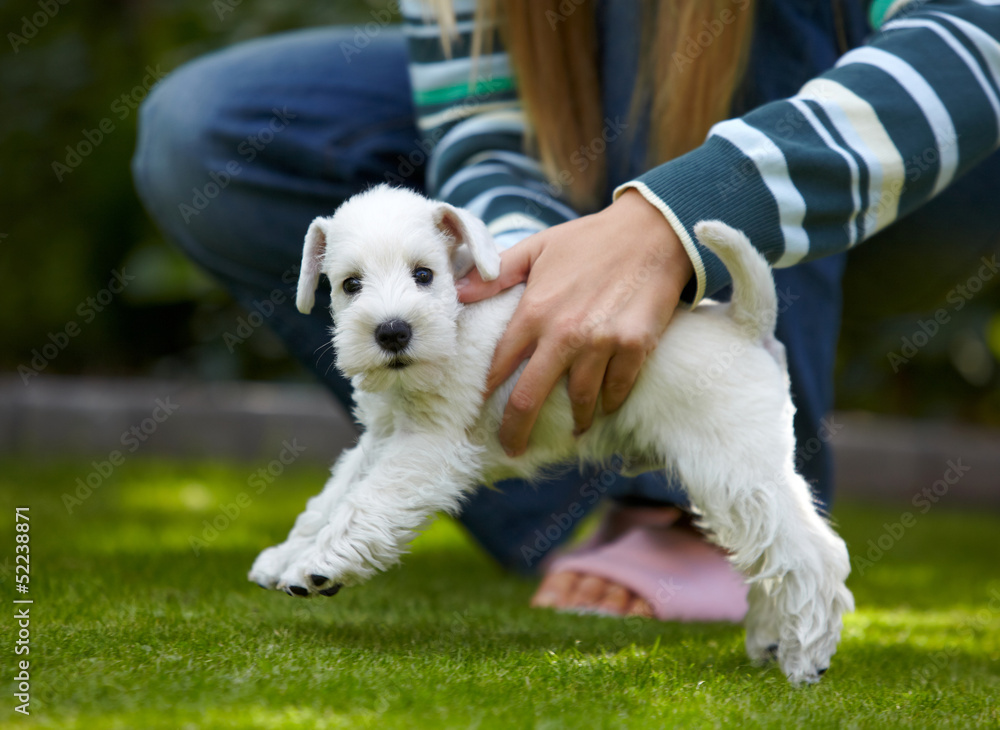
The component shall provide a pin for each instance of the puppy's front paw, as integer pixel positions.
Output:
(306, 576)
(316, 572)
(762, 652)
(332, 562)
(273, 561)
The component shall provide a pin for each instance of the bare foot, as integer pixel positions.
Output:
(646, 562)
(568, 590)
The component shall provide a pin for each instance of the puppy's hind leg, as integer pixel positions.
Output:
(762, 627)
(796, 564)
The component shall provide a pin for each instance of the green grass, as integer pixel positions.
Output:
(132, 629)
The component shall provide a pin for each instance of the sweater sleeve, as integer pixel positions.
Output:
(888, 128)
(472, 128)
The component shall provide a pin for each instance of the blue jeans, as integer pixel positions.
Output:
(238, 151)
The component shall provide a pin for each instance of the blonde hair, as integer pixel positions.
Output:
(692, 58)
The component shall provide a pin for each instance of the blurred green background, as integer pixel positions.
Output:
(59, 239)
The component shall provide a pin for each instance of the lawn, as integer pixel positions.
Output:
(133, 627)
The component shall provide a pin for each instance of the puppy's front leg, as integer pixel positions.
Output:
(349, 470)
(369, 527)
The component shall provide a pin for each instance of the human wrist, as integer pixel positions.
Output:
(644, 222)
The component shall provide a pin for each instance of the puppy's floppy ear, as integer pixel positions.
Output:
(469, 238)
(313, 252)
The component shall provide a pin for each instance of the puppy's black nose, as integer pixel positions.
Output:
(394, 335)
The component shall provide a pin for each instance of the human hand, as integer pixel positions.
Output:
(600, 292)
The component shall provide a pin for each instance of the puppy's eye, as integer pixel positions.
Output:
(423, 276)
(352, 285)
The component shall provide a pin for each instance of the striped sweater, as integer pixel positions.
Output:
(889, 127)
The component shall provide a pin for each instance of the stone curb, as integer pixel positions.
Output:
(222, 420)
(877, 458)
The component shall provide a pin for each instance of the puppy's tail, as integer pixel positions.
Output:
(754, 305)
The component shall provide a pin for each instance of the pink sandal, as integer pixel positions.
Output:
(673, 567)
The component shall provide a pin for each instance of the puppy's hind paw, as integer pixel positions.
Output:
(761, 656)
(811, 675)
(807, 664)
(762, 627)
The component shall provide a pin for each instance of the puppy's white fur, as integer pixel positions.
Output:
(711, 405)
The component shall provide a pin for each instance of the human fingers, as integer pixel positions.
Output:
(586, 375)
(515, 265)
(540, 375)
(517, 344)
(635, 338)
(623, 370)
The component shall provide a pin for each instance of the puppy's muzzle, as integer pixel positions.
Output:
(393, 336)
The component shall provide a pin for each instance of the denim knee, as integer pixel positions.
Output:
(178, 151)
(174, 139)
(239, 150)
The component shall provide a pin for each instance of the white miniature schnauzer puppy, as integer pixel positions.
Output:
(711, 406)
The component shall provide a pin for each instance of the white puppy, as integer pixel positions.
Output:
(711, 405)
